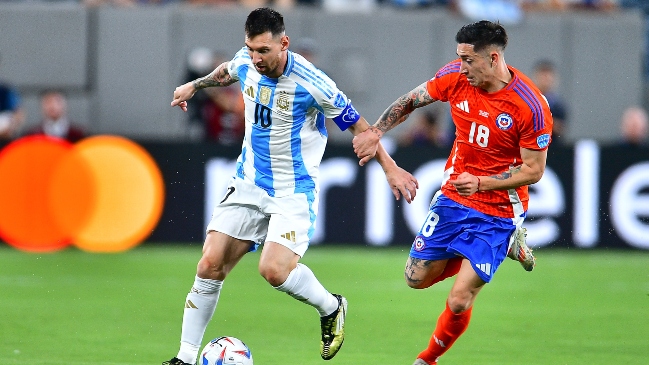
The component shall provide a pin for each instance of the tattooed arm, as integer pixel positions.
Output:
(365, 143)
(529, 172)
(399, 111)
(218, 77)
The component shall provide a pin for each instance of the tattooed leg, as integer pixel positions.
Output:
(420, 274)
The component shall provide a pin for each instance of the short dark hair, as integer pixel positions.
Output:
(45, 92)
(482, 34)
(544, 65)
(264, 20)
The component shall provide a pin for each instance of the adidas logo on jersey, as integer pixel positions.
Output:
(485, 268)
(464, 106)
(250, 92)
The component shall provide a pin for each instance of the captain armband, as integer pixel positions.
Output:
(347, 118)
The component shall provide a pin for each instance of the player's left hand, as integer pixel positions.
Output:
(402, 183)
(365, 145)
(466, 184)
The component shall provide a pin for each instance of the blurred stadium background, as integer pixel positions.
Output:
(586, 303)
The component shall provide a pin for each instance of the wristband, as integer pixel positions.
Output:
(478, 183)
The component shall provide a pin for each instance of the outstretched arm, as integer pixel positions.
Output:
(401, 181)
(365, 144)
(218, 77)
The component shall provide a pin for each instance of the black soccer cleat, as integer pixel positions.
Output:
(175, 361)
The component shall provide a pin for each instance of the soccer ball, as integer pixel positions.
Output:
(225, 351)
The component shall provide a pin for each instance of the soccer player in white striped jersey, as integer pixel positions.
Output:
(273, 196)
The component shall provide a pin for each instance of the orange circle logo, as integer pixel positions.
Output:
(102, 194)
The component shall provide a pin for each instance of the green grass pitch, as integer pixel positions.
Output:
(71, 307)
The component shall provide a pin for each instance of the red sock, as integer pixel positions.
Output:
(449, 327)
(452, 268)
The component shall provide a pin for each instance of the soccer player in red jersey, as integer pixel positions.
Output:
(503, 129)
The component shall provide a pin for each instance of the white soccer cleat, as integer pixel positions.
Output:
(519, 251)
(421, 362)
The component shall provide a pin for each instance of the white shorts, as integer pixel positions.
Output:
(248, 213)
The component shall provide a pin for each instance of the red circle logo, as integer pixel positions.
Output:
(102, 194)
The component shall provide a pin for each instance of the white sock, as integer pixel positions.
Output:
(302, 285)
(199, 308)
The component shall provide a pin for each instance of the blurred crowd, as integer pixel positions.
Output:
(218, 115)
(467, 6)
(53, 120)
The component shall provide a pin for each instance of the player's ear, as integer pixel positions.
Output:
(285, 42)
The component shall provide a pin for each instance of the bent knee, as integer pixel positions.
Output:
(460, 302)
(211, 269)
(272, 273)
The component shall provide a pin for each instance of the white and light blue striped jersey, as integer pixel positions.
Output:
(285, 123)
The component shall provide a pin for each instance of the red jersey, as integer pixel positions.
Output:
(490, 129)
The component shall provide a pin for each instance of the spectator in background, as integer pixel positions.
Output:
(223, 115)
(545, 76)
(219, 115)
(503, 11)
(427, 130)
(561, 5)
(200, 61)
(306, 47)
(116, 3)
(55, 121)
(219, 3)
(12, 115)
(416, 3)
(543, 5)
(642, 5)
(634, 127)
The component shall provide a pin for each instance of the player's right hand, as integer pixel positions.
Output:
(182, 94)
(365, 145)
(466, 184)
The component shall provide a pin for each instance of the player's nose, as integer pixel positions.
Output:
(255, 57)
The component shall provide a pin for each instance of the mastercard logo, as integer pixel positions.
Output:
(102, 194)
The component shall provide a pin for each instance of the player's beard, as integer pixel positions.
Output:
(269, 67)
(265, 69)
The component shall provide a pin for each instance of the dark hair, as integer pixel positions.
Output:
(52, 91)
(430, 117)
(264, 20)
(482, 34)
(544, 65)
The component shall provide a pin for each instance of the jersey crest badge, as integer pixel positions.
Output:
(543, 140)
(283, 102)
(504, 121)
(340, 101)
(264, 95)
(419, 244)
